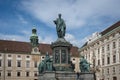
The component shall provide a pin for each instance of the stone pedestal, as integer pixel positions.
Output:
(47, 75)
(58, 75)
(62, 75)
(65, 75)
(86, 76)
(61, 55)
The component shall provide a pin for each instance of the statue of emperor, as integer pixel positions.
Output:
(60, 26)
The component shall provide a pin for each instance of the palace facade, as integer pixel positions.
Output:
(102, 50)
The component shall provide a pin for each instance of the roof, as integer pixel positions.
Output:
(15, 46)
(84, 44)
(74, 52)
(43, 48)
(25, 47)
(111, 28)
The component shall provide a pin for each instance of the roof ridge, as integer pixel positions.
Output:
(111, 27)
(14, 41)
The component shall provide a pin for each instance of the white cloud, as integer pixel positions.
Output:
(22, 20)
(76, 41)
(47, 40)
(14, 37)
(83, 41)
(27, 33)
(71, 38)
(75, 12)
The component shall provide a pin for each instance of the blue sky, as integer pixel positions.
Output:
(82, 17)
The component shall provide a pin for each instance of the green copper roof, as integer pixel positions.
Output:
(34, 38)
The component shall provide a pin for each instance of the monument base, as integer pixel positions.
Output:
(47, 75)
(65, 75)
(58, 75)
(86, 76)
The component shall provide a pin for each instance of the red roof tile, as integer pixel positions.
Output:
(25, 47)
(14, 46)
(45, 48)
(74, 52)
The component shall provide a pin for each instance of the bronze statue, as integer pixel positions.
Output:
(41, 66)
(48, 61)
(84, 65)
(46, 65)
(60, 27)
